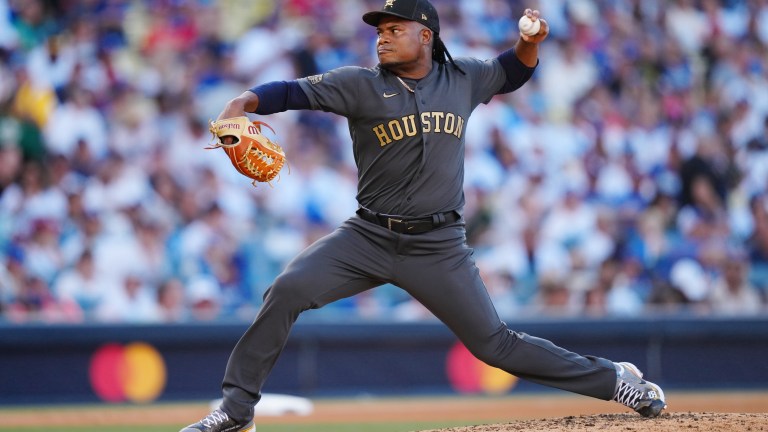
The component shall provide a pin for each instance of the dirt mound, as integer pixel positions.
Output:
(667, 422)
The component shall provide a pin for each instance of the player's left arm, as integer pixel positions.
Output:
(267, 98)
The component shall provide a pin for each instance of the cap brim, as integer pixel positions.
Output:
(373, 18)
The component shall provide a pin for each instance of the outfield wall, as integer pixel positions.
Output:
(51, 364)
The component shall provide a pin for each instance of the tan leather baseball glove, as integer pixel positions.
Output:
(251, 152)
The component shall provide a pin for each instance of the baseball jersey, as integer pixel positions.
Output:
(408, 146)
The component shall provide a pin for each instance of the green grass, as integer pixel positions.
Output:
(90, 429)
(150, 418)
(346, 427)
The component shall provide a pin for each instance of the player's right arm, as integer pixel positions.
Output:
(527, 47)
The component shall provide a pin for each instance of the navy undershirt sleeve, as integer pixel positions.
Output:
(517, 72)
(279, 96)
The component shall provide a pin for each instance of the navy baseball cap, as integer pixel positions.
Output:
(420, 11)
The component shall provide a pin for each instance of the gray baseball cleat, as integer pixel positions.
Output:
(219, 421)
(645, 397)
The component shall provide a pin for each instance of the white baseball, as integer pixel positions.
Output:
(528, 26)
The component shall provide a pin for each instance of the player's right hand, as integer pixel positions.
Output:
(543, 31)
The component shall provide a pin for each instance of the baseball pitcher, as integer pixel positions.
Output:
(407, 119)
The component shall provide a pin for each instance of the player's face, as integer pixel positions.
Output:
(400, 42)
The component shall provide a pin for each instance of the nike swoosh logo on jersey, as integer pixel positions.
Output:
(389, 95)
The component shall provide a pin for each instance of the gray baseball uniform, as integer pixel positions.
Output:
(408, 142)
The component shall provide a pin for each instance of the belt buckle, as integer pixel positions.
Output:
(390, 220)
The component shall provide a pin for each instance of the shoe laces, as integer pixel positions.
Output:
(628, 395)
(215, 418)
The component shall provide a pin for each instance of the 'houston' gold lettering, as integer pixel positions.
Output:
(395, 130)
(410, 125)
(431, 122)
(438, 116)
(426, 125)
(381, 134)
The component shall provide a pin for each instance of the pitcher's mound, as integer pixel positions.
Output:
(627, 422)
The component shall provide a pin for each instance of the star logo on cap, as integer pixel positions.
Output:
(424, 17)
(389, 3)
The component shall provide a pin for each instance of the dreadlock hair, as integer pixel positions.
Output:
(440, 52)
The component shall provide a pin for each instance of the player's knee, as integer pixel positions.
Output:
(493, 351)
(290, 289)
(485, 353)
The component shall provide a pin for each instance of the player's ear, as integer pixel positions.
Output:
(426, 36)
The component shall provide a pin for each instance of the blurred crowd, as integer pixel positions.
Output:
(628, 177)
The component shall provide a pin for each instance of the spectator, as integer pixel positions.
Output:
(52, 64)
(83, 285)
(650, 243)
(7, 34)
(758, 240)
(33, 23)
(117, 185)
(172, 301)
(10, 165)
(131, 301)
(75, 120)
(20, 129)
(31, 102)
(555, 298)
(732, 293)
(624, 298)
(756, 160)
(42, 254)
(32, 198)
(12, 276)
(205, 296)
(573, 224)
(133, 135)
(582, 76)
(705, 219)
(689, 278)
(687, 25)
(35, 303)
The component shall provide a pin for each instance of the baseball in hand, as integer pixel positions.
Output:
(528, 26)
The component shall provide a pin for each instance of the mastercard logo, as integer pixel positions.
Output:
(134, 372)
(467, 374)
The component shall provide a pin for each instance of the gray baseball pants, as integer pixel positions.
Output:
(438, 270)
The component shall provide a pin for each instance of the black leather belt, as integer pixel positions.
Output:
(403, 225)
